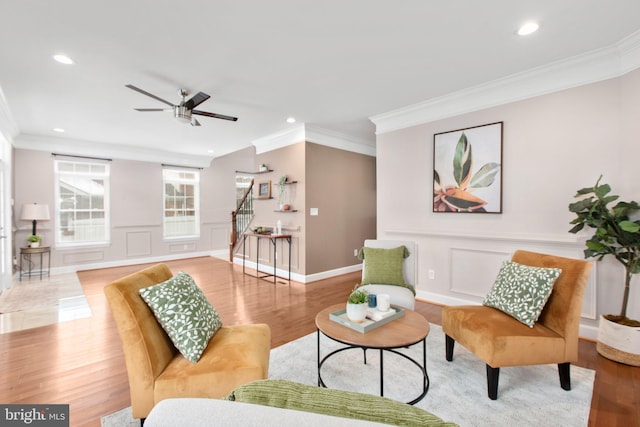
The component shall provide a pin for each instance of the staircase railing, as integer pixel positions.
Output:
(240, 219)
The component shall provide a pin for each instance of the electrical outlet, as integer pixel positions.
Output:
(355, 252)
(432, 274)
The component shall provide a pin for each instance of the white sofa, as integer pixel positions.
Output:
(199, 412)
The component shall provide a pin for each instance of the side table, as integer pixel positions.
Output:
(406, 331)
(27, 254)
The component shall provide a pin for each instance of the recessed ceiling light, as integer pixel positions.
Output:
(291, 120)
(528, 28)
(63, 59)
(210, 151)
(60, 130)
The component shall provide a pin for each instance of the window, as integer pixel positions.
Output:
(82, 202)
(181, 203)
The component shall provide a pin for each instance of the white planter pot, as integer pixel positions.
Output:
(356, 312)
(618, 342)
(34, 244)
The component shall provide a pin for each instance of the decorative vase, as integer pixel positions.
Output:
(619, 342)
(356, 312)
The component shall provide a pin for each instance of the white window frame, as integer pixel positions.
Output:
(105, 176)
(183, 180)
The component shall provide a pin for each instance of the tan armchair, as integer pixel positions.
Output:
(235, 355)
(500, 340)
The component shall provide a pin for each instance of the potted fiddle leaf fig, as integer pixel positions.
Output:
(617, 233)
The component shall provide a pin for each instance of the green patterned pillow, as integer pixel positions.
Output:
(521, 291)
(383, 266)
(185, 314)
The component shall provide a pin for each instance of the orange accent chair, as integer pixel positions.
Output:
(235, 355)
(501, 341)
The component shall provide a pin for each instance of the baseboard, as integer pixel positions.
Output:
(125, 262)
(301, 278)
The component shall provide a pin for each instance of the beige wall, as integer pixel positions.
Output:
(136, 210)
(287, 161)
(342, 186)
(553, 145)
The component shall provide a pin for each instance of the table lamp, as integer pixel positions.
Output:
(34, 212)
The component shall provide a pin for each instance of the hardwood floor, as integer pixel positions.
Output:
(81, 362)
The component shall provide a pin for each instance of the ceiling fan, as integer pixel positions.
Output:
(183, 111)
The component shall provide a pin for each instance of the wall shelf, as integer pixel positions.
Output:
(283, 211)
(255, 173)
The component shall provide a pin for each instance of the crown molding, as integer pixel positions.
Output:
(116, 151)
(280, 139)
(597, 65)
(8, 126)
(310, 133)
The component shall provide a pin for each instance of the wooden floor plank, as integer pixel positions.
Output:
(81, 362)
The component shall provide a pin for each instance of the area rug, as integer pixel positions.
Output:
(527, 396)
(32, 294)
(33, 303)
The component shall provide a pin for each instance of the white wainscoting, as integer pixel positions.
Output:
(466, 265)
(219, 235)
(138, 243)
(266, 253)
(83, 257)
(182, 247)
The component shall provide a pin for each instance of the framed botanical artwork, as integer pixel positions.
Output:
(264, 190)
(467, 170)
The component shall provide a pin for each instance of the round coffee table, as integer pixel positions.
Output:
(406, 331)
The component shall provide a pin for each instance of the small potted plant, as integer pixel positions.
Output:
(263, 167)
(617, 234)
(357, 305)
(34, 240)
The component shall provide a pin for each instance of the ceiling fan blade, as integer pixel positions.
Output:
(194, 122)
(214, 115)
(153, 109)
(144, 92)
(196, 100)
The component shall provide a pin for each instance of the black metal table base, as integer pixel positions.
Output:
(423, 368)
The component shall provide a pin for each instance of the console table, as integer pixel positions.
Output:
(273, 238)
(27, 254)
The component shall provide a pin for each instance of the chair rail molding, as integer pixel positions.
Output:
(553, 239)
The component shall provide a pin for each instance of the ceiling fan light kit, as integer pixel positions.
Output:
(184, 111)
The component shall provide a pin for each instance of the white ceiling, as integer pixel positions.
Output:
(331, 64)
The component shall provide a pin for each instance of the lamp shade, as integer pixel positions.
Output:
(31, 211)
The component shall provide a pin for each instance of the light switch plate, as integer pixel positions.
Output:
(313, 211)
